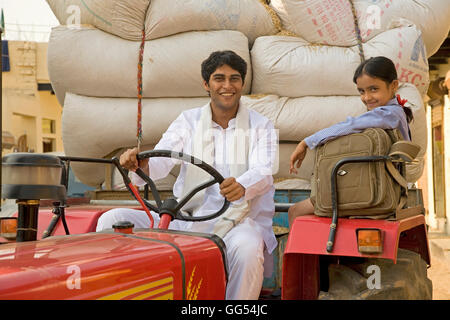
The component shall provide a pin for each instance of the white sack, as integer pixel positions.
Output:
(332, 22)
(292, 184)
(165, 184)
(123, 18)
(253, 18)
(295, 119)
(292, 67)
(282, 178)
(90, 62)
(95, 127)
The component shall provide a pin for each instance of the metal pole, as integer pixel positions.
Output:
(27, 221)
(334, 192)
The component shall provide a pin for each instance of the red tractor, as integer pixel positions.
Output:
(39, 259)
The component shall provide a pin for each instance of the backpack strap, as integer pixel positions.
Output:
(406, 150)
(400, 212)
(396, 174)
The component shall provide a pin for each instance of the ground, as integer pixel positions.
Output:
(439, 272)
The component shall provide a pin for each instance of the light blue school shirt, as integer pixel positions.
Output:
(390, 116)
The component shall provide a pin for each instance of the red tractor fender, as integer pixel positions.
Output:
(148, 264)
(309, 235)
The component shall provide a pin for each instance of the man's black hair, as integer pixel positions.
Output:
(220, 58)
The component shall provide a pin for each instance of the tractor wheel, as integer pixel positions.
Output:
(356, 279)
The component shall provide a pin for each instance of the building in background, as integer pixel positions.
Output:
(31, 114)
(436, 178)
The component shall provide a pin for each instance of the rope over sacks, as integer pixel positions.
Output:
(358, 32)
(139, 111)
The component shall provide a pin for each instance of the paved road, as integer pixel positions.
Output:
(439, 272)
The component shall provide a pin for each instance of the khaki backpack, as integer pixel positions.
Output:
(373, 189)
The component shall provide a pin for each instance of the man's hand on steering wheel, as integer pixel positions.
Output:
(172, 207)
(129, 161)
(231, 189)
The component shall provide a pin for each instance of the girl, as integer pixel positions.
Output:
(376, 81)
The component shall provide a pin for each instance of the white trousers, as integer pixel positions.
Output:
(244, 250)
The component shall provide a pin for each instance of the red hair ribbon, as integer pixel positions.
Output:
(401, 101)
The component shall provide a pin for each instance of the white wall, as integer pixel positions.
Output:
(447, 161)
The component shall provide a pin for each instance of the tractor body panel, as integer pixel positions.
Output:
(148, 264)
(80, 219)
(309, 235)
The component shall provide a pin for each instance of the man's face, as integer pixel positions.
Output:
(225, 88)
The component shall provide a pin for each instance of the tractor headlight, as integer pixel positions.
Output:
(32, 176)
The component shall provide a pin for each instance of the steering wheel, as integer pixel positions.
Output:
(172, 207)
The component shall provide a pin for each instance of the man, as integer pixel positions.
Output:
(241, 144)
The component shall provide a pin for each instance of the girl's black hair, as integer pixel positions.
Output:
(382, 68)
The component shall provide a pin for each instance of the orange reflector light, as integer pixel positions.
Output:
(369, 240)
(8, 228)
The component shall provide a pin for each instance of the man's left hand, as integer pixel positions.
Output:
(231, 189)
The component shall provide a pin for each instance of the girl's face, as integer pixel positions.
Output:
(375, 92)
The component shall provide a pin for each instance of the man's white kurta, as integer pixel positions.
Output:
(257, 180)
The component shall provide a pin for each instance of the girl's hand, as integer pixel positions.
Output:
(297, 157)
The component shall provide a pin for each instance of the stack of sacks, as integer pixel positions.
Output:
(90, 62)
(162, 18)
(93, 65)
(316, 62)
(295, 118)
(301, 83)
(332, 22)
(291, 66)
